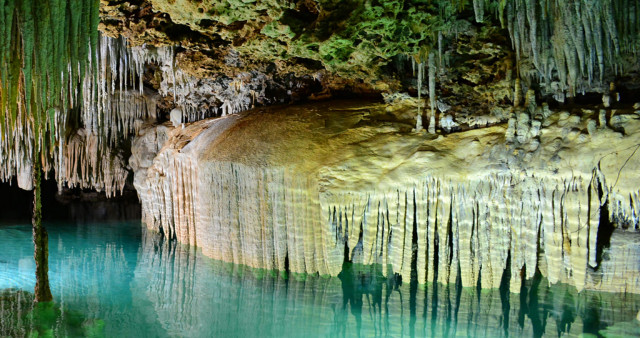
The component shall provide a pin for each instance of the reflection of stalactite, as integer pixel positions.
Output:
(175, 290)
(90, 271)
(168, 271)
(14, 304)
(77, 278)
(95, 275)
(196, 296)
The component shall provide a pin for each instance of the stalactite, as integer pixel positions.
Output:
(40, 60)
(505, 211)
(432, 93)
(420, 79)
(43, 61)
(478, 9)
(570, 41)
(200, 98)
(112, 109)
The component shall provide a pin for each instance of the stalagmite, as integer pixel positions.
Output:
(42, 290)
(311, 200)
(176, 117)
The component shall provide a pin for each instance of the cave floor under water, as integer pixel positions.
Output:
(134, 283)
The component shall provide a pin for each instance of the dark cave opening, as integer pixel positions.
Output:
(77, 205)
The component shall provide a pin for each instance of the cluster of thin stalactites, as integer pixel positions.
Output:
(564, 47)
(69, 103)
(78, 136)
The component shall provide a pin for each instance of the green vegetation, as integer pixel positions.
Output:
(354, 38)
(44, 49)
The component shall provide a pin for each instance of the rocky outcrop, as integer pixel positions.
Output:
(306, 188)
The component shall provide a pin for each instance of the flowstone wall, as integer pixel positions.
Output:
(305, 188)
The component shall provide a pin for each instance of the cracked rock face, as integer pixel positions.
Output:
(315, 185)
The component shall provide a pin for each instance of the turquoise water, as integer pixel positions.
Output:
(140, 285)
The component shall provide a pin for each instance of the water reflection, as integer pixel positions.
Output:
(138, 284)
(196, 296)
(90, 271)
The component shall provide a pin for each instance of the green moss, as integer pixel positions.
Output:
(277, 31)
(335, 51)
(356, 38)
(230, 11)
(300, 277)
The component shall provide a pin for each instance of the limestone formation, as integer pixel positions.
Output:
(305, 188)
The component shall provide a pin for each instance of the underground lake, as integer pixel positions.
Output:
(118, 279)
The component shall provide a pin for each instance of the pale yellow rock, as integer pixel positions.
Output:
(306, 187)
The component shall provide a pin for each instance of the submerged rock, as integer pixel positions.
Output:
(304, 188)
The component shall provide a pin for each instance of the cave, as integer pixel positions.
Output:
(319, 168)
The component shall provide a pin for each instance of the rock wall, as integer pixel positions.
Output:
(302, 188)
